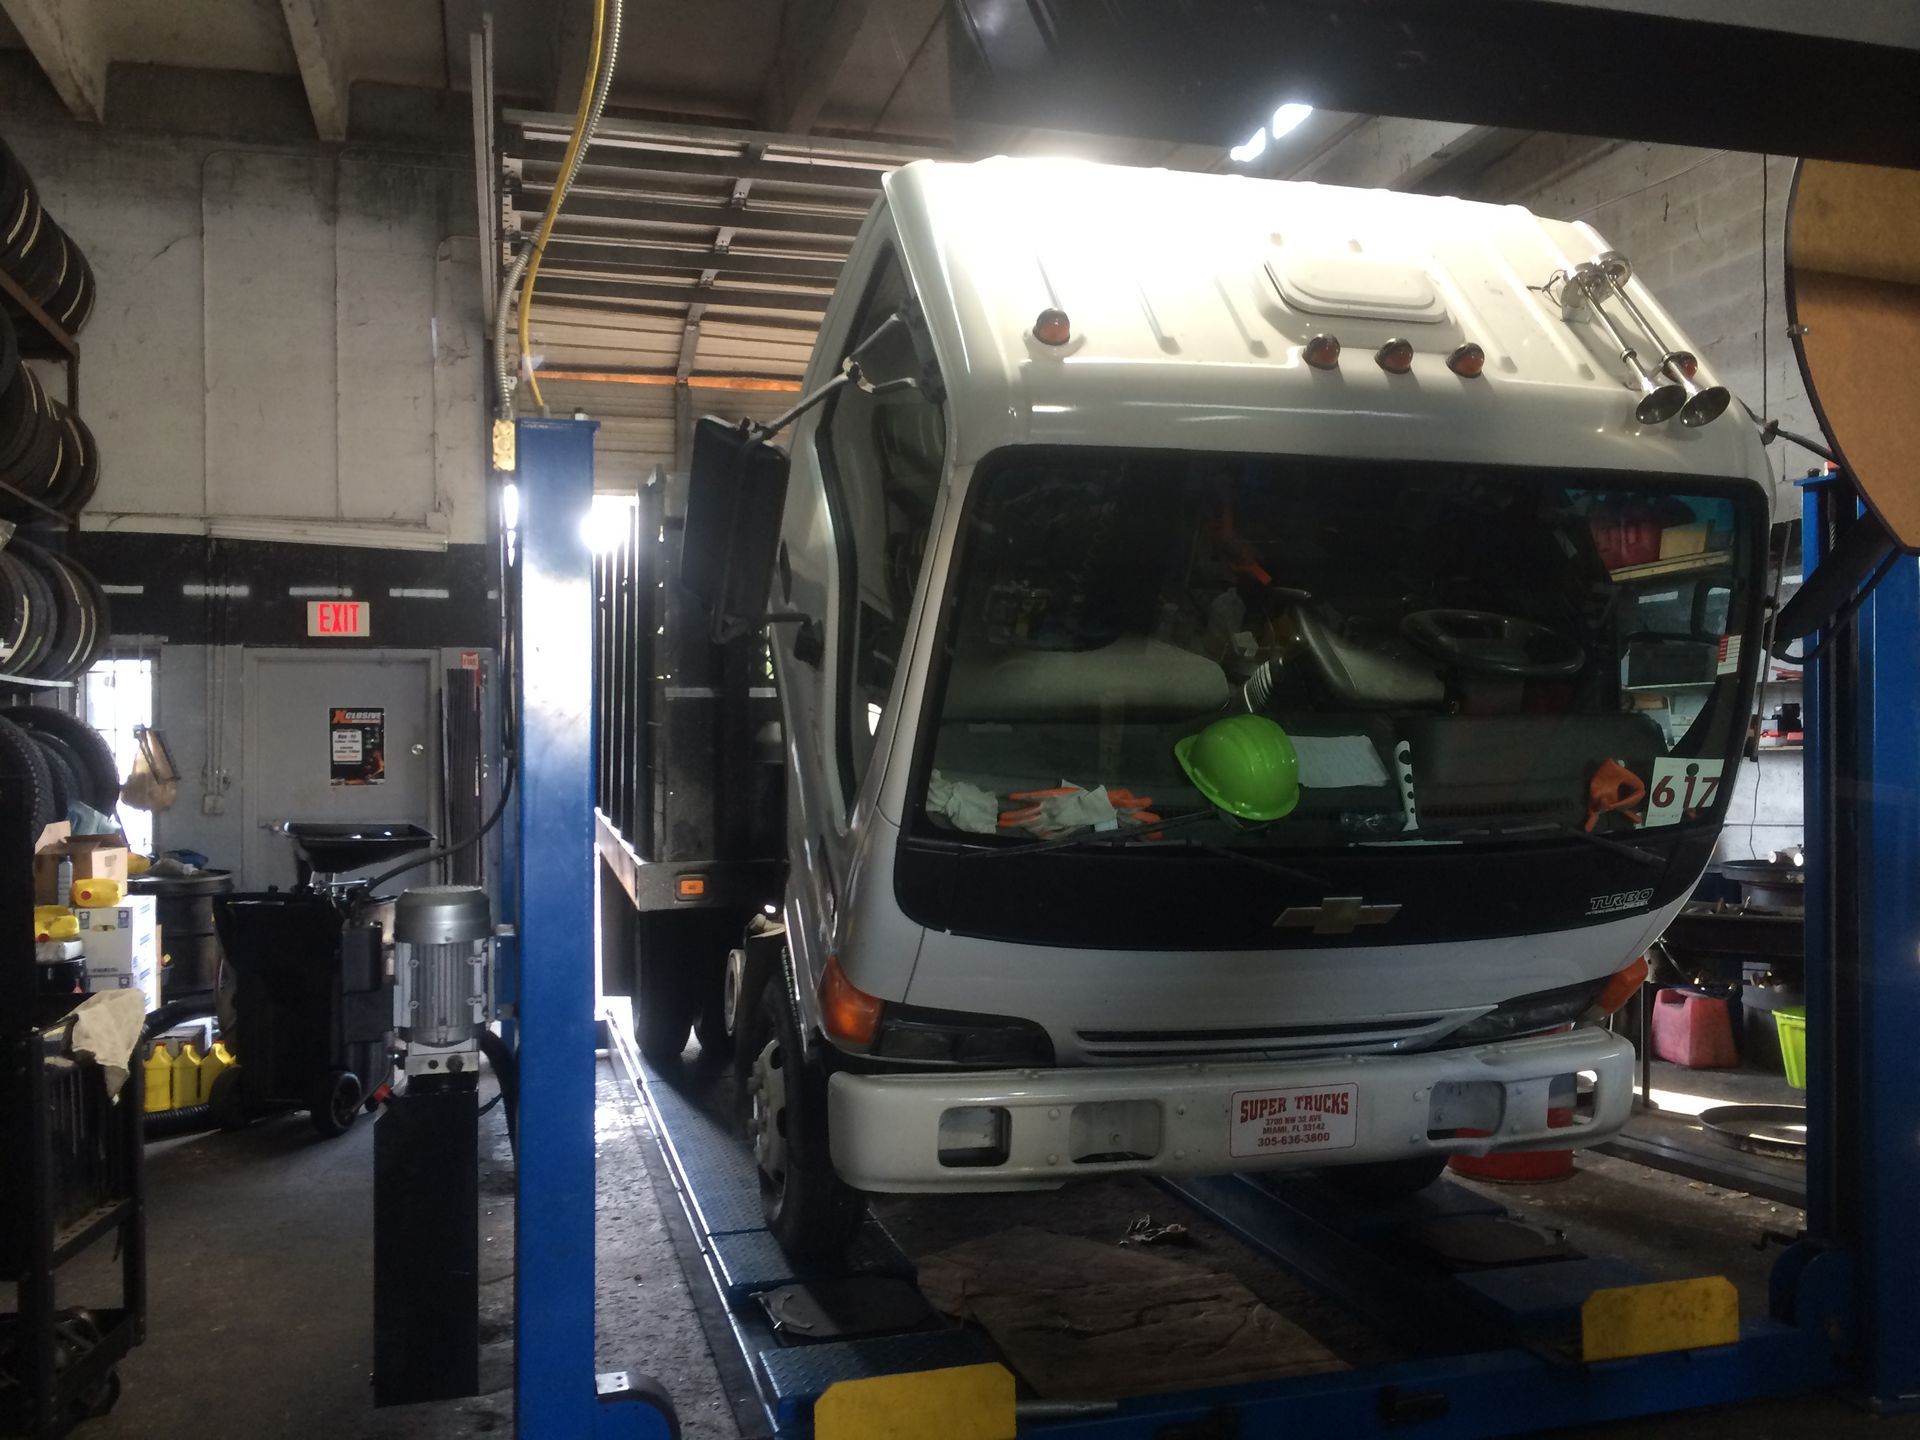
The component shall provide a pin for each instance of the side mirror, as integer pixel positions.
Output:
(735, 497)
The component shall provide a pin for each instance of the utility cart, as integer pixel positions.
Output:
(73, 1178)
(313, 1007)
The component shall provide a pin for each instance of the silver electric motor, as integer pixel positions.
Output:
(442, 975)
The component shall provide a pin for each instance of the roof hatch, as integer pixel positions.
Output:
(1323, 284)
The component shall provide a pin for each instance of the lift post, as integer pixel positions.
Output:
(1863, 985)
(557, 1393)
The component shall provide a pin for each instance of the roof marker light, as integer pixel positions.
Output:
(1289, 117)
(1396, 356)
(1685, 361)
(1322, 352)
(1052, 327)
(1467, 361)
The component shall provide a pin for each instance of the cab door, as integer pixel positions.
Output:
(865, 478)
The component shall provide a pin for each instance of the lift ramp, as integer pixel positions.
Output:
(1497, 1341)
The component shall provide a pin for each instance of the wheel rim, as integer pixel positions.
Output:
(767, 1123)
(346, 1101)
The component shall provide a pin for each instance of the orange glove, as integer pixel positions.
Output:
(1614, 787)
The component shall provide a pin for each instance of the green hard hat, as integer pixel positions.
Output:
(1246, 765)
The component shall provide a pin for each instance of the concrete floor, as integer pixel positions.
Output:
(262, 1294)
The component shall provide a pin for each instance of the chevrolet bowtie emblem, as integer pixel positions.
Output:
(1335, 915)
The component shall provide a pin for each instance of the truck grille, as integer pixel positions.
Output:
(1360, 1037)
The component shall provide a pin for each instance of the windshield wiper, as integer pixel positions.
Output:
(1520, 825)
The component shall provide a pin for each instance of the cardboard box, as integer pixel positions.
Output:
(122, 944)
(1680, 540)
(94, 857)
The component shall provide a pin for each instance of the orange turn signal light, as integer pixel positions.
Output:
(1396, 356)
(689, 887)
(848, 1015)
(1467, 361)
(1620, 987)
(1322, 352)
(1052, 327)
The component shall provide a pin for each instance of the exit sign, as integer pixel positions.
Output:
(340, 619)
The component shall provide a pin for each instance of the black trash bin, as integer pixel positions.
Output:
(312, 1008)
(183, 906)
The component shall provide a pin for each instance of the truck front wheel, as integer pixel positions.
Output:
(811, 1213)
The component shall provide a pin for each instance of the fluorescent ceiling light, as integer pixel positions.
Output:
(1288, 118)
(1249, 150)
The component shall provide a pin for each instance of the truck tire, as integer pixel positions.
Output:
(810, 1212)
(1383, 1180)
(712, 1021)
(662, 1010)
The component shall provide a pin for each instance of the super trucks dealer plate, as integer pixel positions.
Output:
(1284, 1122)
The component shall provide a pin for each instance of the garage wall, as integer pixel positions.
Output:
(282, 332)
(1706, 230)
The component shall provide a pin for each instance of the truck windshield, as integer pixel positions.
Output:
(1446, 650)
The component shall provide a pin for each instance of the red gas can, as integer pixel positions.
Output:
(1693, 1030)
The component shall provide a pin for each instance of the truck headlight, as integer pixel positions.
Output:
(946, 1037)
(1529, 1013)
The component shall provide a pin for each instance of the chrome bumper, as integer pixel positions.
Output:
(1039, 1129)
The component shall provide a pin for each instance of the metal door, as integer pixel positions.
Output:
(291, 697)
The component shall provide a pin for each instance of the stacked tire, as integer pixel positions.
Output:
(38, 254)
(54, 621)
(47, 454)
(57, 760)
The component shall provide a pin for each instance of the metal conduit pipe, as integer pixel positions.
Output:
(504, 368)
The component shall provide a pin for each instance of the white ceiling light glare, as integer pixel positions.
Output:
(1286, 120)
(1289, 118)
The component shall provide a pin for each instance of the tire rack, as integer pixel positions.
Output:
(41, 339)
(34, 1243)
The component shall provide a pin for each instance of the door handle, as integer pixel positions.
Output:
(810, 643)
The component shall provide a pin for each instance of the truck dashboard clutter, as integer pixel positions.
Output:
(1249, 668)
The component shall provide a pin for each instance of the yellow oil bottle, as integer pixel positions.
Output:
(95, 892)
(212, 1064)
(157, 1079)
(55, 922)
(186, 1077)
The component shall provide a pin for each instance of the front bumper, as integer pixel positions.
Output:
(1039, 1129)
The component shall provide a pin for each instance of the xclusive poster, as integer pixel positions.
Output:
(358, 741)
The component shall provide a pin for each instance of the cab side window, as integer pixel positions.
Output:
(881, 456)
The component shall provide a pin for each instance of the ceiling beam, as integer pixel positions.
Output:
(558, 282)
(571, 30)
(639, 211)
(1389, 153)
(816, 36)
(64, 40)
(1208, 71)
(606, 164)
(320, 49)
(616, 131)
(613, 299)
(580, 252)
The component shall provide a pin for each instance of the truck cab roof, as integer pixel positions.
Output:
(1190, 299)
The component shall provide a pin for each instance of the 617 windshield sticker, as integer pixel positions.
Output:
(1681, 788)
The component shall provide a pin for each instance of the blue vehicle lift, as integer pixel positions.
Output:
(1497, 1351)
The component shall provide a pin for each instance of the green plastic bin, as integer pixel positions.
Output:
(1790, 1023)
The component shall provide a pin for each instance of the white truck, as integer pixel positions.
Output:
(1257, 664)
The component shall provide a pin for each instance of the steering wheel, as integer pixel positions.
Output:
(1480, 642)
